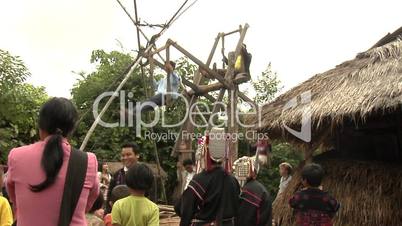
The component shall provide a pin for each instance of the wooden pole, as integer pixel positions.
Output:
(168, 88)
(200, 64)
(223, 49)
(230, 71)
(116, 92)
(198, 79)
(151, 74)
(187, 126)
(217, 107)
(109, 102)
(232, 32)
(233, 126)
(159, 49)
(202, 89)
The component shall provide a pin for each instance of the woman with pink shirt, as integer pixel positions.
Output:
(37, 172)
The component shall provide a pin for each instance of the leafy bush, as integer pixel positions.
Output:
(281, 152)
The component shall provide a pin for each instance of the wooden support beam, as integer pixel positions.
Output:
(230, 71)
(200, 64)
(159, 49)
(223, 49)
(109, 102)
(196, 91)
(151, 74)
(169, 83)
(216, 107)
(232, 123)
(230, 33)
(248, 100)
(202, 89)
(198, 79)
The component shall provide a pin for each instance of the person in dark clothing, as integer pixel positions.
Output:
(212, 196)
(255, 205)
(209, 194)
(255, 201)
(312, 206)
(129, 157)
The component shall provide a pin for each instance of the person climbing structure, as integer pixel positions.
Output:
(160, 97)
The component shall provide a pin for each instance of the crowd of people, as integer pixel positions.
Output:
(41, 177)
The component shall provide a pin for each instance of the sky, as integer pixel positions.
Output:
(300, 38)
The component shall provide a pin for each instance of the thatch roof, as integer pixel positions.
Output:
(369, 84)
(370, 193)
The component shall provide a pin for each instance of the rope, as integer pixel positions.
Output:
(146, 24)
(188, 7)
(174, 16)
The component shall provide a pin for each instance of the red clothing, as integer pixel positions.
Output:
(42, 208)
(314, 207)
(108, 220)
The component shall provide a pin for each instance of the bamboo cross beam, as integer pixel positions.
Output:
(230, 70)
(229, 73)
(198, 79)
(200, 64)
(247, 99)
(196, 91)
(158, 50)
(216, 107)
(202, 89)
(232, 32)
(169, 82)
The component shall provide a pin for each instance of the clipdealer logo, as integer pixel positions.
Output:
(305, 133)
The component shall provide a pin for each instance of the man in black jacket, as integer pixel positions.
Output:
(212, 196)
(255, 201)
(129, 157)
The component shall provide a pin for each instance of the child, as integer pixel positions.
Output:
(136, 209)
(6, 215)
(118, 192)
(313, 206)
(92, 218)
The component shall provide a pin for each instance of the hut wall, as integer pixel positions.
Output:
(378, 138)
(370, 193)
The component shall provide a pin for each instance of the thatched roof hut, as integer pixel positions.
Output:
(369, 85)
(356, 121)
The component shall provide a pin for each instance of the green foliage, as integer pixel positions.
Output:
(281, 152)
(19, 104)
(106, 142)
(266, 86)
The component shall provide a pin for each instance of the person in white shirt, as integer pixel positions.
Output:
(285, 170)
(188, 165)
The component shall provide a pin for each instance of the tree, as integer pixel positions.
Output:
(19, 104)
(106, 142)
(266, 86)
